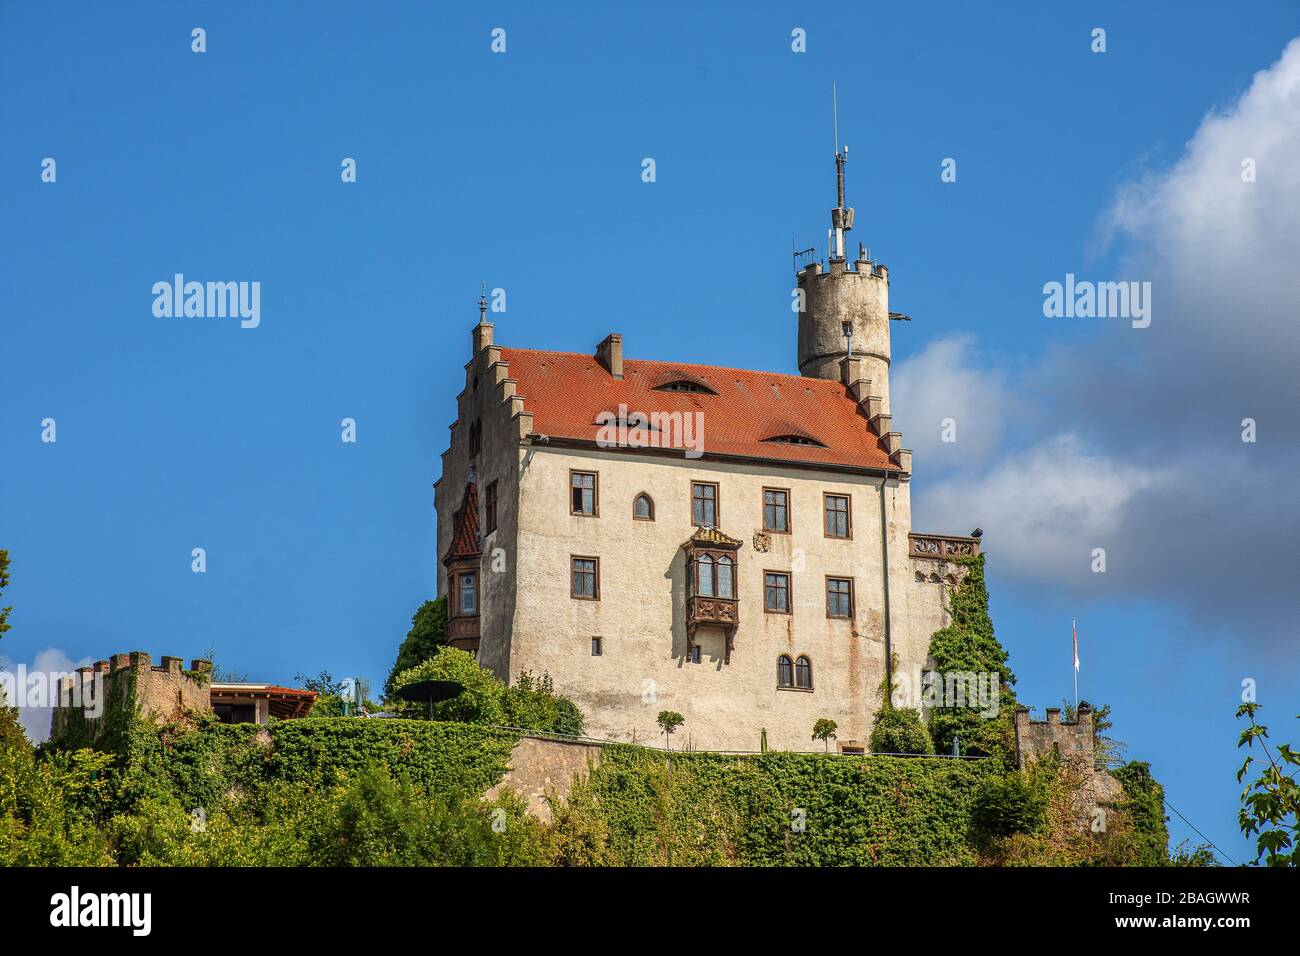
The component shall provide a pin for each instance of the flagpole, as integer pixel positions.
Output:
(1074, 630)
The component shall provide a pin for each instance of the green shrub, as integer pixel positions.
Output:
(900, 730)
(1008, 805)
(533, 705)
(479, 703)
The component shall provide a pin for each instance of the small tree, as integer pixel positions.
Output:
(1270, 806)
(669, 721)
(4, 580)
(824, 730)
(427, 634)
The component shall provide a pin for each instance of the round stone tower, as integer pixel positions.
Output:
(839, 299)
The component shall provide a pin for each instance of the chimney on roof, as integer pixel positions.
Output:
(610, 354)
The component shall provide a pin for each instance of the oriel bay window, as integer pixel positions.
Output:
(463, 604)
(462, 561)
(710, 587)
(713, 576)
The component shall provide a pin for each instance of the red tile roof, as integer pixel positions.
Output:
(464, 535)
(566, 391)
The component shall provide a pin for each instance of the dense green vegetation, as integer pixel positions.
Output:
(968, 644)
(411, 791)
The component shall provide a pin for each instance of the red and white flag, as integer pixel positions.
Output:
(1075, 631)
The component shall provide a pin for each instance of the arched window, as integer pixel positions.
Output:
(643, 509)
(725, 588)
(803, 673)
(705, 569)
(784, 672)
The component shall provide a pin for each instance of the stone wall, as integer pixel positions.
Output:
(1074, 742)
(640, 617)
(540, 767)
(161, 693)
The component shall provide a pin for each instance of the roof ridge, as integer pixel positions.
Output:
(674, 362)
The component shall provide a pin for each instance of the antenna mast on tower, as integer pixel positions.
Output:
(841, 216)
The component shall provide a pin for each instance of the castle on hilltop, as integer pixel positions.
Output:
(733, 545)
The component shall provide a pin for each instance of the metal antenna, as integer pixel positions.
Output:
(841, 216)
(835, 112)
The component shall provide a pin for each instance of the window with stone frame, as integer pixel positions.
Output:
(839, 597)
(803, 673)
(776, 592)
(839, 522)
(584, 493)
(584, 578)
(704, 504)
(776, 510)
(466, 593)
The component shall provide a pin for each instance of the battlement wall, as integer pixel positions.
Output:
(162, 693)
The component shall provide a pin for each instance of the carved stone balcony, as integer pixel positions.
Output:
(942, 547)
(710, 610)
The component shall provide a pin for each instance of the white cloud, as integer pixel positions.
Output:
(947, 382)
(51, 661)
(1044, 509)
(1134, 444)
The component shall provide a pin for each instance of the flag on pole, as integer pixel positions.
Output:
(1075, 631)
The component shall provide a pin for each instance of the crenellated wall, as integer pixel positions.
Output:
(162, 693)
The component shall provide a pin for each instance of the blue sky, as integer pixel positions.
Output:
(523, 170)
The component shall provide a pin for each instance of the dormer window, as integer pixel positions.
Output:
(686, 385)
(795, 440)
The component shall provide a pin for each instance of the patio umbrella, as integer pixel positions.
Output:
(432, 691)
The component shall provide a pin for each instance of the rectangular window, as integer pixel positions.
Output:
(839, 597)
(704, 504)
(585, 579)
(776, 592)
(490, 508)
(776, 510)
(596, 648)
(582, 498)
(695, 654)
(467, 594)
(838, 523)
